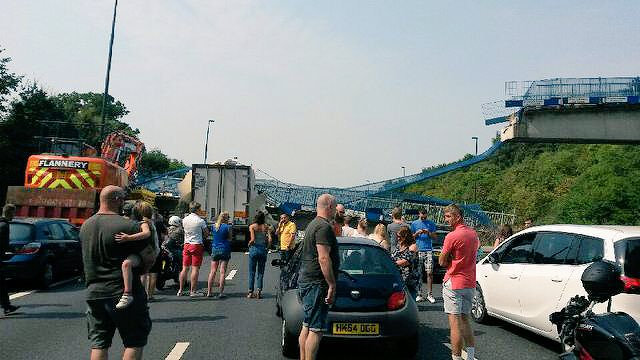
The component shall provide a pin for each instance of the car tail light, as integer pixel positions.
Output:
(396, 300)
(30, 248)
(631, 285)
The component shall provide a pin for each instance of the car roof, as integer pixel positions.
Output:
(30, 220)
(356, 241)
(614, 232)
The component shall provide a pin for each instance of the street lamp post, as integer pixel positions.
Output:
(404, 173)
(106, 80)
(206, 142)
(475, 180)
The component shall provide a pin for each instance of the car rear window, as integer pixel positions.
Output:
(20, 232)
(366, 260)
(628, 255)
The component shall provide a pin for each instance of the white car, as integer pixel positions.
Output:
(536, 271)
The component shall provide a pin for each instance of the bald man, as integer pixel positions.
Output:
(102, 257)
(317, 280)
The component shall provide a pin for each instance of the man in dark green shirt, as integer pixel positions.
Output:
(102, 257)
(317, 281)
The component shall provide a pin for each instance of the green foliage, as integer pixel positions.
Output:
(84, 111)
(9, 81)
(552, 183)
(156, 162)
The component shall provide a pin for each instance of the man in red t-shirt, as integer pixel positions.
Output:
(459, 283)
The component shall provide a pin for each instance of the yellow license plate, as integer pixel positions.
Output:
(356, 329)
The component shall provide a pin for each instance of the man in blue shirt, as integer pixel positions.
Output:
(424, 231)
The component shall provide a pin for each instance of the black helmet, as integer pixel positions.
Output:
(602, 280)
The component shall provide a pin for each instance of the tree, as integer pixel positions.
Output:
(155, 162)
(17, 132)
(83, 110)
(9, 81)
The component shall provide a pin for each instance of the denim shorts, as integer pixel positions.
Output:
(312, 297)
(220, 255)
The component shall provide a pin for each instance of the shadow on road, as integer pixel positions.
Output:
(189, 319)
(48, 315)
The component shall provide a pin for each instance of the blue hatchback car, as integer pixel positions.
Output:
(41, 250)
(372, 302)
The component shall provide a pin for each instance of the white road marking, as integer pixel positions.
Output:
(464, 353)
(232, 273)
(177, 351)
(20, 294)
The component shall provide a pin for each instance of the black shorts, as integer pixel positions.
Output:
(133, 323)
(157, 266)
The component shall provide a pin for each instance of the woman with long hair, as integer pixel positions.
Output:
(504, 232)
(220, 251)
(361, 229)
(380, 236)
(405, 256)
(259, 242)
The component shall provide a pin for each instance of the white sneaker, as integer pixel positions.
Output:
(125, 300)
(419, 298)
(431, 299)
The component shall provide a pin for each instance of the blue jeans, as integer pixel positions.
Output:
(257, 258)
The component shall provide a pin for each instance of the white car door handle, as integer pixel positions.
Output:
(556, 280)
(513, 276)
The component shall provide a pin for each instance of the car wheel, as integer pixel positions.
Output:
(289, 342)
(46, 277)
(478, 307)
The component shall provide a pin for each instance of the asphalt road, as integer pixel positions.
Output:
(51, 325)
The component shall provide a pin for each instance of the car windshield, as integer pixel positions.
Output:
(629, 257)
(440, 240)
(20, 232)
(365, 260)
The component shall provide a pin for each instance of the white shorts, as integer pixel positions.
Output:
(457, 302)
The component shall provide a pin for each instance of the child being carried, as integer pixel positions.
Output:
(142, 211)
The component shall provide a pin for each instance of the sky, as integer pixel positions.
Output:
(325, 93)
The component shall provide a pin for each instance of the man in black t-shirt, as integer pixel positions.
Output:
(102, 257)
(317, 280)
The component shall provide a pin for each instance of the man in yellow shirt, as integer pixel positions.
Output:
(286, 232)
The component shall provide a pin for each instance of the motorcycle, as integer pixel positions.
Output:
(170, 268)
(586, 335)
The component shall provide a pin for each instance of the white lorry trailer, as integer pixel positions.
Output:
(227, 187)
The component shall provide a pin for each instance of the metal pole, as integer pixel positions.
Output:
(206, 144)
(404, 173)
(475, 180)
(106, 81)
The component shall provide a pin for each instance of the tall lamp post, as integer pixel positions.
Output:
(206, 142)
(475, 180)
(106, 80)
